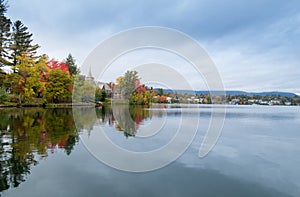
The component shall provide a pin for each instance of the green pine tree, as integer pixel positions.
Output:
(21, 43)
(70, 61)
(5, 33)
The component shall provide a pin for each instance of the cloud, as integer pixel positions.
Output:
(261, 60)
(252, 42)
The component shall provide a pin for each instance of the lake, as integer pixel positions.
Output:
(55, 152)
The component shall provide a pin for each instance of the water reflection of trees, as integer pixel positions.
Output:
(124, 118)
(28, 135)
(129, 118)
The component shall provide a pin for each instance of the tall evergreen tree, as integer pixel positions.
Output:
(21, 43)
(70, 61)
(5, 24)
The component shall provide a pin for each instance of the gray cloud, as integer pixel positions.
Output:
(252, 42)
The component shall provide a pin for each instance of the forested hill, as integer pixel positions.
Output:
(228, 92)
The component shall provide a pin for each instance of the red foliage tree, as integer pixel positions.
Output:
(54, 64)
(64, 67)
(162, 99)
(139, 88)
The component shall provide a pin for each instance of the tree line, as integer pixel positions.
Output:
(33, 77)
(129, 87)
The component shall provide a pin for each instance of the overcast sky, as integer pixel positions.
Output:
(255, 44)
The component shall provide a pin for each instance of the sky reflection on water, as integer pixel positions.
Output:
(256, 155)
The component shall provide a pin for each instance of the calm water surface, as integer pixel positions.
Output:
(257, 154)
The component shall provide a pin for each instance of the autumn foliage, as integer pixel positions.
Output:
(42, 79)
(162, 99)
(139, 88)
(54, 64)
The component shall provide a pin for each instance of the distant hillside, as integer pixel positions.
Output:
(287, 94)
(228, 92)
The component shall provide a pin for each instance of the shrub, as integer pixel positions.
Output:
(3, 96)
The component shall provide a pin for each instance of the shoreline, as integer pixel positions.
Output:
(50, 105)
(70, 105)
